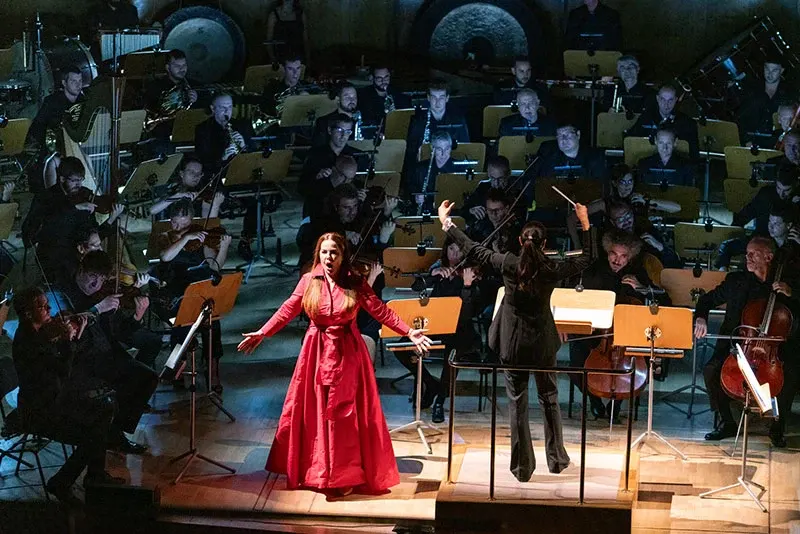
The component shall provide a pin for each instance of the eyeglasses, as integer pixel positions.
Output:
(340, 130)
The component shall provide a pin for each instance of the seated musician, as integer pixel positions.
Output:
(46, 127)
(790, 160)
(761, 101)
(162, 93)
(102, 354)
(621, 271)
(181, 265)
(593, 26)
(321, 161)
(56, 403)
(785, 116)
(736, 291)
(189, 182)
(527, 121)
(666, 167)
(438, 116)
(498, 170)
(343, 171)
(422, 184)
(523, 79)
(379, 99)
(346, 104)
(623, 183)
(221, 137)
(622, 217)
(567, 158)
(58, 214)
(663, 114)
(115, 15)
(497, 209)
(634, 96)
(783, 194)
(277, 89)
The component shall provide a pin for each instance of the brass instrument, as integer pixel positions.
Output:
(170, 103)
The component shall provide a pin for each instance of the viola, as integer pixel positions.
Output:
(606, 356)
(761, 317)
(211, 241)
(103, 203)
(60, 327)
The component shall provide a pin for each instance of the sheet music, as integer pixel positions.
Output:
(760, 392)
(180, 349)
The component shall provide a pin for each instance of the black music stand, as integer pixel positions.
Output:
(767, 405)
(203, 302)
(439, 316)
(261, 173)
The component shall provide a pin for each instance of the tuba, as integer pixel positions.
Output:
(170, 103)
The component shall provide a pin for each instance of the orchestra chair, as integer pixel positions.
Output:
(517, 149)
(715, 135)
(389, 181)
(577, 63)
(456, 187)
(688, 197)
(390, 156)
(12, 142)
(738, 160)
(464, 151)
(692, 240)
(186, 120)
(653, 267)
(739, 193)
(491, 120)
(397, 122)
(304, 110)
(6, 62)
(637, 148)
(152, 252)
(611, 128)
(427, 231)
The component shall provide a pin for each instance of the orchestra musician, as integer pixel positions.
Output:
(221, 137)
(633, 95)
(379, 99)
(663, 114)
(343, 171)
(189, 254)
(287, 31)
(524, 332)
(54, 401)
(790, 160)
(739, 288)
(188, 184)
(277, 89)
(497, 209)
(103, 356)
(567, 151)
(594, 26)
(498, 176)
(43, 159)
(346, 104)
(523, 79)
(761, 101)
(527, 121)
(622, 216)
(422, 183)
(666, 167)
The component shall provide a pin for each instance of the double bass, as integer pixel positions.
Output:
(760, 318)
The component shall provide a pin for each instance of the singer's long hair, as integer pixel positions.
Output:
(344, 278)
(531, 256)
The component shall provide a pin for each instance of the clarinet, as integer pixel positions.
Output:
(425, 184)
(357, 135)
(388, 103)
(426, 136)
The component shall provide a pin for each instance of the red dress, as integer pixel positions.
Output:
(332, 432)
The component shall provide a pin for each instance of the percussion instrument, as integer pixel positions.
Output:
(14, 96)
(126, 41)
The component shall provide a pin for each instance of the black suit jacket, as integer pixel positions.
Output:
(677, 171)
(516, 124)
(211, 140)
(601, 30)
(684, 127)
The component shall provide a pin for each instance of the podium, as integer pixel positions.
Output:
(651, 331)
(438, 316)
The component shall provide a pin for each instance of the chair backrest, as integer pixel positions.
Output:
(653, 267)
(491, 119)
(611, 128)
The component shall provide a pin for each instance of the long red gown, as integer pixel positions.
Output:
(332, 432)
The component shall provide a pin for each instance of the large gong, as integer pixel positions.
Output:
(454, 30)
(214, 44)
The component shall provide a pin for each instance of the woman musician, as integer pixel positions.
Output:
(190, 253)
(189, 185)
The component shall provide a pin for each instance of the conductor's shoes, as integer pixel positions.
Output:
(778, 441)
(63, 493)
(126, 446)
(103, 479)
(725, 430)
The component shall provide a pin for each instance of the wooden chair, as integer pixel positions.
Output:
(738, 160)
(391, 153)
(738, 193)
(637, 148)
(517, 149)
(611, 128)
(492, 115)
(397, 123)
(653, 267)
(464, 151)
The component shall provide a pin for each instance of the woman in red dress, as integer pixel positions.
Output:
(332, 434)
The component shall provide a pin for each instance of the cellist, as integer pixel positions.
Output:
(735, 292)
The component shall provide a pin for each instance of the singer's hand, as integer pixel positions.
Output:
(444, 210)
(700, 328)
(420, 340)
(583, 215)
(250, 342)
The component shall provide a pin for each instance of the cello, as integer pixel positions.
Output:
(760, 318)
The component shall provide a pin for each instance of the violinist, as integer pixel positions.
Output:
(188, 186)
(663, 114)
(738, 288)
(186, 257)
(620, 271)
(102, 355)
(58, 214)
(421, 184)
(665, 167)
(343, 171)
(55, 401)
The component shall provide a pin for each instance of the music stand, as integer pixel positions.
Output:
(611, 128)
(456, 186)
(202, 303)
(767, 405)
(149, 175)
(595, 65)
(739, 193)
(430, 231)
(580, 312)
(492, 115)
(403, 265)
(397, 123)
(439, 316)
(390, 153)
(388, 181)
(263, 174)
(659, 330)
(739, 159)
(473, 152)
(303, 110)
(518, 150)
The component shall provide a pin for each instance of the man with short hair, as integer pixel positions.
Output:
(379, 99)
(622, 217)
(346, 104)
(220, 137)
(289, 84)
(664, 115)
(498, 171)
(634, 95)
(666, 167)
(421, 186)
(566, 157)
(523, 79)
(497, 207)
(527, 121)
(594, 26)
(789, 162)
(761, 102)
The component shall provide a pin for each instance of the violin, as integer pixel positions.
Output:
(761, 317)
(61, 327)
(103, 203)
(606, 356)
(212, 240)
